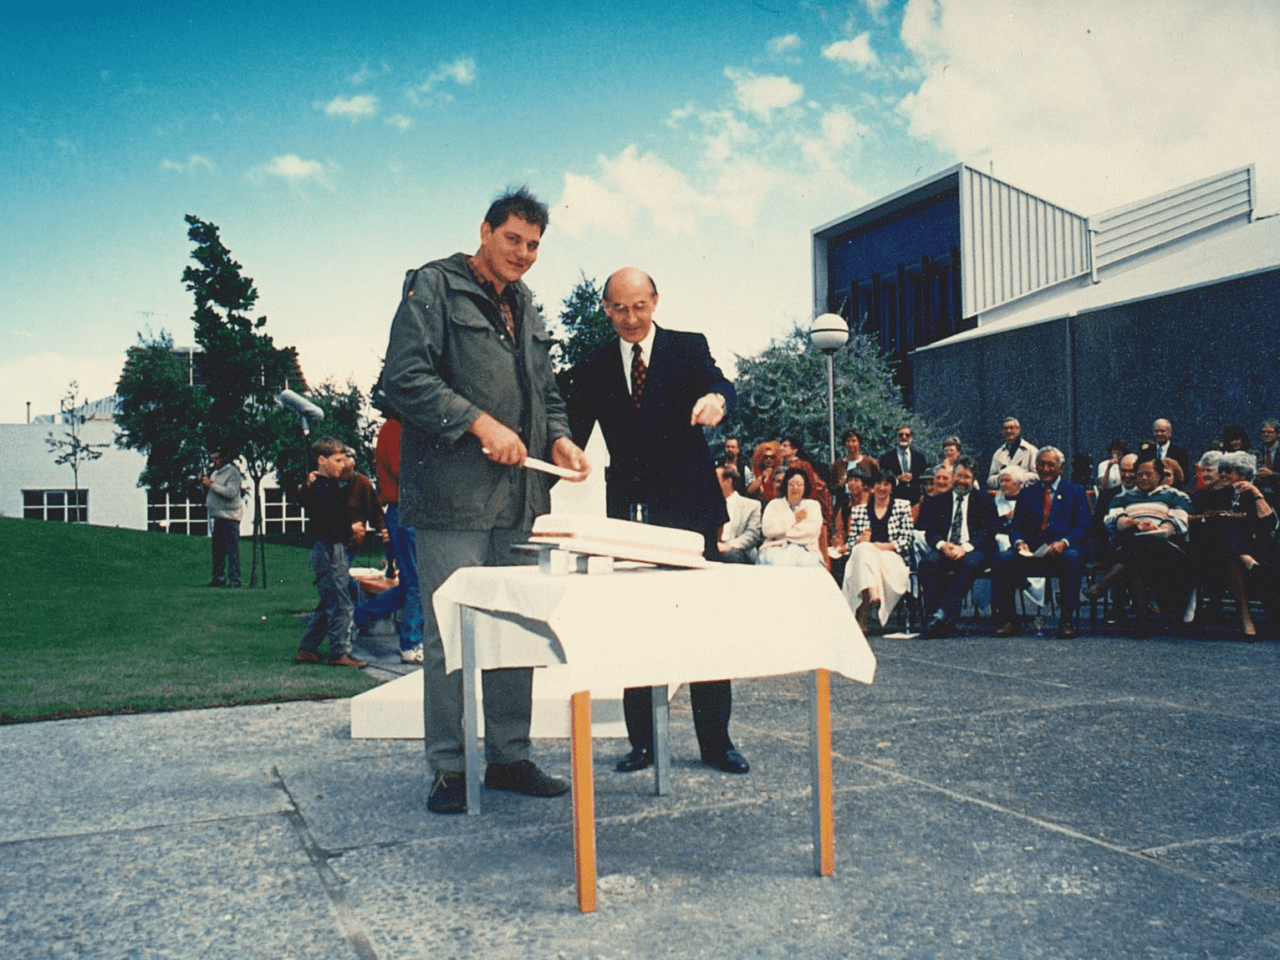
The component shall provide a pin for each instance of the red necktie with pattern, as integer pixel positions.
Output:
(638, 371)
(1048, 504)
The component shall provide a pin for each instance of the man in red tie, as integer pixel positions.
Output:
(1050, 526)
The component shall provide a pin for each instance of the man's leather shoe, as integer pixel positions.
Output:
(731, 761)
(305, 656)
(523, 776)
(637, 759)
(448, 793)
(346, 660)
(939, 628)
(1067, 632)
(1007, 629)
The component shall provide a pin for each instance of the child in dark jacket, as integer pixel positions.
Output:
(326, 504)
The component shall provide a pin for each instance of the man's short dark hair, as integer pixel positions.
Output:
(325, 447)
(520, 203)
(967, 462)
(851, 433)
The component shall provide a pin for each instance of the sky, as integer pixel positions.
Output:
(337, 145)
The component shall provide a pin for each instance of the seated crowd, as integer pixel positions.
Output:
(1148, 533)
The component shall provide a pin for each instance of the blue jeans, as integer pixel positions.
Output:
(332, 617)
(404, 597)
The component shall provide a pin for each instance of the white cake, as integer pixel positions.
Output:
(620, 539)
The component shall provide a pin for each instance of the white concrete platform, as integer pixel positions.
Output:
(393, 711)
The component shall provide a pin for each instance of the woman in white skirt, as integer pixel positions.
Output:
(880, 545)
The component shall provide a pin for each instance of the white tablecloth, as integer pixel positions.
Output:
(646, 626)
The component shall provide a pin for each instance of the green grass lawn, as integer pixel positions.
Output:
(96, 620)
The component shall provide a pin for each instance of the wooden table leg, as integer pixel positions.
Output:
(584, 801)
(824, 836)
(661, 705)
(471, 710)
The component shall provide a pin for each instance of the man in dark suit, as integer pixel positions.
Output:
(1162, 438)
(1050, 529)
(906, 463)
(960, 534)
(652, 391)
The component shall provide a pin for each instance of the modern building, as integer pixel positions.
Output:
(994, 302)
(34, 487)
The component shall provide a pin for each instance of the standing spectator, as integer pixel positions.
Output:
(1049, 534)
(223, 501)
(330, 528)
(1162, 439)
(905, 464)
(1015, 452)
(469, 369)
(853, 457)
(404, 596)
(952, 448)
(1234, 437)
(733, 458)
(740, 537)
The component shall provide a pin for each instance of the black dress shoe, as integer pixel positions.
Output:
(637, 759)
(1067, 632)
(448, 793)
(1007, 629)
(523, 776)
(731, 761)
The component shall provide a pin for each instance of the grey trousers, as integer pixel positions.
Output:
(508, 694)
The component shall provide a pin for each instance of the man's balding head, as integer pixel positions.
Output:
(630, 297)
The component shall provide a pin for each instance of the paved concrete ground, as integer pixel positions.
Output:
(1018, 798)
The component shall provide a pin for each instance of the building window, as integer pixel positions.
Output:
(280, 514)
(167, 514)
(60, 506)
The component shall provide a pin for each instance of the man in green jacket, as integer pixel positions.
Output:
(469, 369)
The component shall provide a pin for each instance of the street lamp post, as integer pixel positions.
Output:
(829, 333)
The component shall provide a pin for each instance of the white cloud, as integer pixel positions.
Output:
(1095, 104)
(399, 121)
(630, 186)
(763, 95)
(367, 73)
(461, 71)
(785, 46)
(194, 163)
(352, 108)
(875, 7)
(856, 52)
(296, 172)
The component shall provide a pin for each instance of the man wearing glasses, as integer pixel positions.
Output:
(906, 463)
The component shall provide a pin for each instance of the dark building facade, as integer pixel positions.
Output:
(1082, 328)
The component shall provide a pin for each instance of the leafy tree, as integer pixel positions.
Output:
(782, 392)
(231, 406)
(582, 326)
(161, 414)
(71, 449)
(344, 419)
